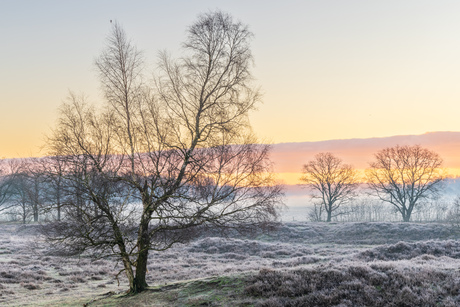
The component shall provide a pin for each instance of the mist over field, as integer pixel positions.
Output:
(298, 203)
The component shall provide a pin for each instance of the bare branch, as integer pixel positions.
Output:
(405, 175)
(331, 182)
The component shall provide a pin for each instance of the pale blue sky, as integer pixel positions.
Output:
(328, 69)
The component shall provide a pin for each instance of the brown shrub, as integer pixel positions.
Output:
(355, 285)
(30, 286)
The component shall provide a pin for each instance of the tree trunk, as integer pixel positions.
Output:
(58, 201)
(329, 215)
(36, 200)
(143, 242)
(79, 202)
(140, 284)
(406, 215)
(406, 218)
(35, 208)
(124, 255)
(128, 269)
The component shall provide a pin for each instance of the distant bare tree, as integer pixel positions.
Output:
(28, 189)
(453, 216)
(20, 199)
(36, 189)
(160, 163)
(315, 214)
(331, 182)
(53, 170)
(8, 171)
(405, 175)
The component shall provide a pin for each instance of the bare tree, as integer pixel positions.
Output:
(405, 175)
(8, 171)
(20, 199)
(331, 182)
(28, 189)
(53, 170)
(453, 215)
(315, 214)
(163, 162)
(36, 189)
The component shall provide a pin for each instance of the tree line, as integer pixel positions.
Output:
(402, 176)
(34, 187)
(44, 189)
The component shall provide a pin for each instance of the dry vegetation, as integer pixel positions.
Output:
(313, 264)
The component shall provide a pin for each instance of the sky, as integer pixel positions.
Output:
(327, 69)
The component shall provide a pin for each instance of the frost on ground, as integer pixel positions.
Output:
(342, 264)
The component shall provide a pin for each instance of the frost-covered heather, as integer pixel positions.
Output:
(28, 274)
(404, 250)
(362, 232)
(369, 260)
(359, 284)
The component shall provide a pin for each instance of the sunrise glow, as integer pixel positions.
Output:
(328, 69)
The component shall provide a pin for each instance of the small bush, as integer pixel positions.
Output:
(7, 275)
(234, 256)
(95, 277)
(268, 255)
(30, 286)
(77, 279)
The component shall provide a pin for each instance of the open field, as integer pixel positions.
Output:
(342, 264)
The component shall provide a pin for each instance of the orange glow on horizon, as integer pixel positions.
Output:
(294, 178)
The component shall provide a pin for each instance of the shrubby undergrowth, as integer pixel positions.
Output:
(362, 232)
(405, 250)
(300, 264)
(360, 284)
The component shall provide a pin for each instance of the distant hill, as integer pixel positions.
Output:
(289, 157)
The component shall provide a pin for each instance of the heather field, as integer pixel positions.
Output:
(300, 264)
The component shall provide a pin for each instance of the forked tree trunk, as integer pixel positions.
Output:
(406, 213)
(406, 217)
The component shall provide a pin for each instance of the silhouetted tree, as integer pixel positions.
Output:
(331, 182)
(36, 188)
(453, 216)
(161, 163)
(8, 171)
(404, 176)
(53, 170)
(28, 188)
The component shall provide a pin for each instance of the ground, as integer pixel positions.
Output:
(337, 264)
